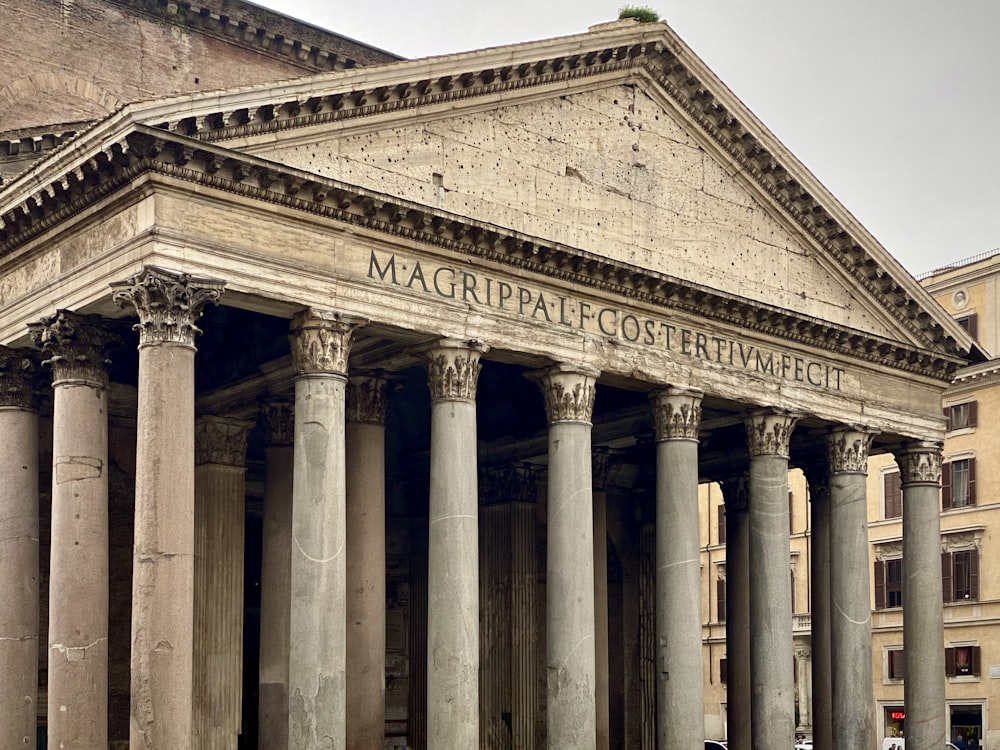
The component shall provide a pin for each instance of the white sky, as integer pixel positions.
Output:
(893, 104)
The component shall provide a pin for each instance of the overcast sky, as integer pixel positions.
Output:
(893, 104)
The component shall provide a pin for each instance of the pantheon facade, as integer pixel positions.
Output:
(368, 409)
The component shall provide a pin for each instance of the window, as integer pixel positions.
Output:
(722, 523)
(960, 575)
(958, 483)
(970, 323)
(889, 583)
(720, 599)
(892, 493)
(895, 664)
(962, 416)
(961, 661)
(723, 670)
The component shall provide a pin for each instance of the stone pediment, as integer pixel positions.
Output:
(671, 187)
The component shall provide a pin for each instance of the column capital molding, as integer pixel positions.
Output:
(769, 432)
(736, 492)
(676, 413)
(367, 398)
(18, 379)
(321, 341)
(453, 368)
(221, 440)
(600, 466)
(279, 422)
(75, 344)
(919, 462)
(847, 450)
(568, 390)
(168, 303)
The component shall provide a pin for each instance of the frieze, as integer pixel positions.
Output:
(676, 413)
(221, 440)
(367, 399)
(76, 346)
(18, 376)
(279, 422)
(891, 549)
(321, 341)
(847, 451)
(962, 539)
(453, 369)
(168, 303)
(769, 433)
(919, 463)
(568, 391)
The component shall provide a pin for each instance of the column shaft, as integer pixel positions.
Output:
(924, 681)
(18, 553)
(850, 625)
(738, 690)
(366, 563)
(600, 469)
(771, 669)
(276, 577)
(680, 688)
(453, 652)
(822, 680)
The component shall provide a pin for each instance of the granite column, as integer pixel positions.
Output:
(822, 666)
(18, 550)
(317, 692)
(571, 670)
(772, 682)
(453, 547)
(168, 305)
(680, 691)
(736, 491)
(850, 592)
(78, 572)
(924, 680)
(600, 463)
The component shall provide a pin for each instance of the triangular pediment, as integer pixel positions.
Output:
(617, 144)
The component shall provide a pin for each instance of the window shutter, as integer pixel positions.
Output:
(974, 575)
(972, 481)
(946, 486)
(880, 585)
(975, 660)
(973, 413)
(893, 493)
(722, 523)
(949, 662)
(972, 325)
(946, 577)
(947, 417)
(897, 664)
(793, 592)
(720, 596)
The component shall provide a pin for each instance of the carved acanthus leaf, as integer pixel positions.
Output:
(769, 433)
(568, 391)
(847, 451)
(221, 440)
(168, 303)
(279, 422)
(76, 346)
(321, 341)
(366, 399)
(676, 413)
(453, 369)
(18, 374)
(920, 463)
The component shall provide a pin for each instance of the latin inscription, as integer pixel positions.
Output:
(479, 289)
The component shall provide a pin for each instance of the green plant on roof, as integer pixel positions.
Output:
(642, 13)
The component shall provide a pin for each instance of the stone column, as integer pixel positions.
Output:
(366, 409)
(276, 575)
(78, 572)
(772, 684)
(924, 681)
(803, 664)
(600, 462)
(168, 305)
(570, 659)
(822, 680)
(317, 694)
(850, 591)
(736, 491)
(18, 551)
(220, 530)
(680, 715)
(453, 547)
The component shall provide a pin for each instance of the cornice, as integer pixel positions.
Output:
(145, 150)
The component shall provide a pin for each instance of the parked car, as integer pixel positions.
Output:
(714, 745)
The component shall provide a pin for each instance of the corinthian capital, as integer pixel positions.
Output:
(919, 462)
(769, 433)
(168, 303)
(221, 440)
(736, 493)
(366, 399)
(453, 369)
(676, 413)
(568, 391)
(322, 340)
(75, 345)
(847, 450)
(279, 422)
(18, 373)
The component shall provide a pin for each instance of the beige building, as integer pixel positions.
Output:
(969, 521)
(362, 402)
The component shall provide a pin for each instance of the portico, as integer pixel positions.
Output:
(423, 384)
